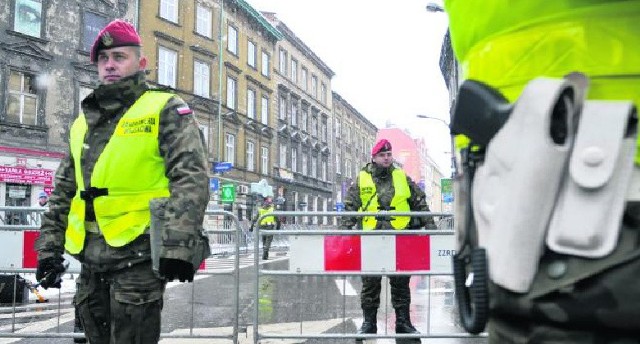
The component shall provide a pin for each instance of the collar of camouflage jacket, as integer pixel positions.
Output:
(111, 100)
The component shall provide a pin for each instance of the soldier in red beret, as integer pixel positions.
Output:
(135, 153)
(379, 185)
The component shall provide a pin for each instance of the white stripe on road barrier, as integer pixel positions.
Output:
(369, 253)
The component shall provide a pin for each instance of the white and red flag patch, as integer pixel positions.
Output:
(184, 110)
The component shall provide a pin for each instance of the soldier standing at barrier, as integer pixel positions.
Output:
(268, 223)
(382, 186)
(506, 44)
(129, 146)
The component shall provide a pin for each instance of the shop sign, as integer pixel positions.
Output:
(23, 175)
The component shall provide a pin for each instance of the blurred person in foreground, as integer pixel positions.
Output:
(130, 146)
(507, 44)
(380, 186)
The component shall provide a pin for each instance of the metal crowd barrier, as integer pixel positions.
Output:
(260, 272)
(233, 233)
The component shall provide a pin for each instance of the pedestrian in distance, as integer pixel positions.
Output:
(268, 223)
(380, 186)
(43, 199)
(136, 155)
(570, 296)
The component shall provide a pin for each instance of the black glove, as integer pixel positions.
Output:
(49, 272)
(171, 269)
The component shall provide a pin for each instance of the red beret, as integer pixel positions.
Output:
(381, 146)
(118, 33)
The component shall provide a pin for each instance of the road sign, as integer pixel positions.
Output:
(222, 166)
(339, 206)
(213, 184)
(228, 194)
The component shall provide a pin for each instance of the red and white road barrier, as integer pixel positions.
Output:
(371, 253)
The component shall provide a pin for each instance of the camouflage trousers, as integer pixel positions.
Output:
(372, 285)
(593, 301)
(119, 302)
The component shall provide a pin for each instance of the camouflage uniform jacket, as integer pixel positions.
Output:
(180, 146)
(385, 191)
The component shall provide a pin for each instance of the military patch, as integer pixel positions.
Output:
(184, 110)
(107, 40)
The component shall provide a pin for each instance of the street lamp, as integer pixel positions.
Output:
(433, 7)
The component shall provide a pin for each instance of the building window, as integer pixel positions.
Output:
(294, 113)
(314, 126)
(201, 78)
(265, 64)
(251, 166)
(282, 108)
(314, 86)
(204, 130)
(324, 170)
(167, 65)
(323, 93)
(294, 71)
(92, 24)
(265, 160)
(169, 10)
(304, 119)
(294, 159)
(305, 164)
(230, 144)
(283, 62)
(203, 20)
(264, 110)
(303, 78)
(338, 163)
(314, 167)
(22, 105)
(28, 17)
(251, 54)
(324, 131)
(283, 155)
(232, 40)
(231, 92)
(251, 103)
(338, 129)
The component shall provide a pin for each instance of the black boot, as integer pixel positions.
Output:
(370, 323)
(403, 321)
(78, 328)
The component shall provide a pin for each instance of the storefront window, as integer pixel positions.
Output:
(17, 195)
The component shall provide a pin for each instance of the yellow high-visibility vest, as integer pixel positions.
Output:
(130, 168)
(267, 220)
(399, 202)
(506, 44)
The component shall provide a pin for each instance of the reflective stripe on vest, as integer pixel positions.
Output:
(130, 167)
(399, 202)
(267, 220)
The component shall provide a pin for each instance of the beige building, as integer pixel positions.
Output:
(303, 110)
(352, 139)
(231, 86)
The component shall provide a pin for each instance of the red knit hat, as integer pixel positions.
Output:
(118, 33)
(381, 146)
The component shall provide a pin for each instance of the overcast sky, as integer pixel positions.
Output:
(385, 58)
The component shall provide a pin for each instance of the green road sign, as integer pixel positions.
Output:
(228, 193)
(446, 189)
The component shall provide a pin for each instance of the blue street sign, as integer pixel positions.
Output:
(447, 197)
(339, 206)
(222, 166)
(213, 184)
